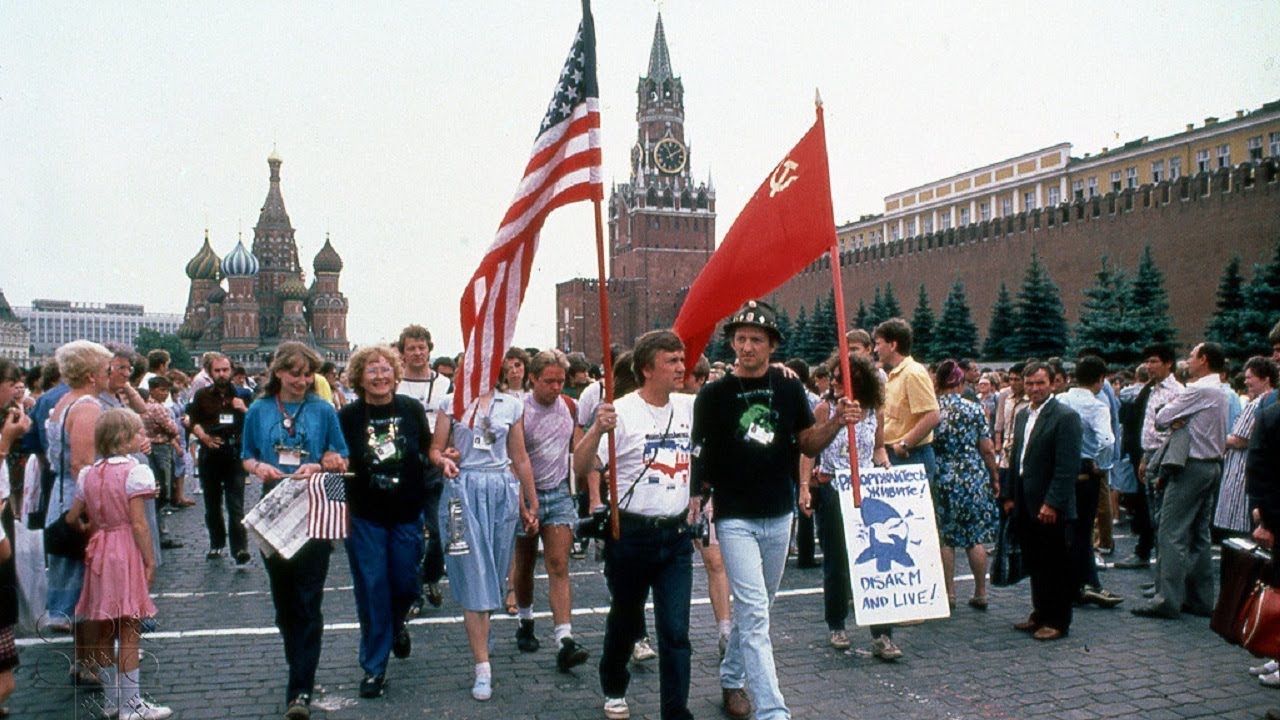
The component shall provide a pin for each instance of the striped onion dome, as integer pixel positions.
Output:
(292, 289)
(188, 331)
(327, 260)
(217, 295)
(240, 262)
(204, 266)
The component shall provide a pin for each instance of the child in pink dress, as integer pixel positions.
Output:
(119, 562)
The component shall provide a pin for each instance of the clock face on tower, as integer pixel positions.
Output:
(670, 156)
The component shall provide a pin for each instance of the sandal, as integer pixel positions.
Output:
(978, 603)
(512, 608)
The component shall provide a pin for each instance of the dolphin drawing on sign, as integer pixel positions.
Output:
(888, 536)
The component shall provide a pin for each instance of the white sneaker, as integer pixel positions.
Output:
(142, 710)
(643, 650)
(616, 709)
(1271, 680)
(483, 689)
(1266, 668)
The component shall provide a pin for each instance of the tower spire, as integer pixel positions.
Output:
(659, 56)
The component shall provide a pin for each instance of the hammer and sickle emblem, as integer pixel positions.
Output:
(782, 177)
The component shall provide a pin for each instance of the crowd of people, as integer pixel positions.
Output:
(736, 461)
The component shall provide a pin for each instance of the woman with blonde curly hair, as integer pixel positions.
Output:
(83, 365)
(388, 437)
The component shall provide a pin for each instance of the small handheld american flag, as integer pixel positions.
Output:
(326, 507)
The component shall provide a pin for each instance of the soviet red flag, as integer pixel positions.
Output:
(787, 224)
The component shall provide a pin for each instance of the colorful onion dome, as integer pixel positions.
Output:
(292, 289)
(204, 266)
(217, 295)
(240, 262)
(188, 331)
(327, 260)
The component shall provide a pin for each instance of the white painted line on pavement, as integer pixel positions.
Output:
(349, 626)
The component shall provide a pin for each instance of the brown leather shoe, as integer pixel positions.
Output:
(736, 703)
(1027, 626)
(1047, 633)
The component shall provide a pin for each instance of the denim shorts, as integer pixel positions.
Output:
(556, 507)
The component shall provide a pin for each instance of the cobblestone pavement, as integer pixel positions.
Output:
(216, 654)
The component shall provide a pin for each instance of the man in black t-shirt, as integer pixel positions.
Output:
(749, 429)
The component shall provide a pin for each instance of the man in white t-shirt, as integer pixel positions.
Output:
(654, 550)
(428, 387)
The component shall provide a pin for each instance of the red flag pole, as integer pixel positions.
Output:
(614, 528)
(845, 378)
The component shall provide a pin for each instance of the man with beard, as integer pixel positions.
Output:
(217, 420)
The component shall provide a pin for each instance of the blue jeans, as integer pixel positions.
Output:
(660, 559)
(384, 562)
(755, 553)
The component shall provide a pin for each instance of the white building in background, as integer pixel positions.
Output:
(15, 342)
(52, 323)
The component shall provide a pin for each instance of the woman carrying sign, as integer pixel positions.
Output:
(834, 459)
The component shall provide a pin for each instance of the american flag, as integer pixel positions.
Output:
(326, 507)
(565, 167)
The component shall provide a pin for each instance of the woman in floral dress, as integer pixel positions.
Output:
(964, 493)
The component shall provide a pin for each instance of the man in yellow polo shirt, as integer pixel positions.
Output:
(911, 407)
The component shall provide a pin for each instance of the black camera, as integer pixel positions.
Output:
(701, 530)
(596, 526)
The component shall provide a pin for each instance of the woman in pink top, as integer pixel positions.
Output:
(119, 561)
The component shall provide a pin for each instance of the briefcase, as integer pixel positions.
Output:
(1244, 563)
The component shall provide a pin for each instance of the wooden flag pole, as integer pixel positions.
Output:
(845, 378)
(614, 527)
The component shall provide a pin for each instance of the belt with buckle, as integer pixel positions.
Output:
(650, 521)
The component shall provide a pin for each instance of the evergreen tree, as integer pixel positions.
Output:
(1106, 320)
(800, 333)
(1226, 326)
(891, 307)
(955, 336)
(785, 329)
(1002, 330)
(1254, 321)
(1149, 303)
(822, 330)
(1265, 296)
(1042, 324)
(862, 318)
(922, 327)
(876, 315)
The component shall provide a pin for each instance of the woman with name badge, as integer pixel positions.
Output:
(290, 431)
(386, 492)
(481, 504)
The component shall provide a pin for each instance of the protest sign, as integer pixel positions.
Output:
(895, 563)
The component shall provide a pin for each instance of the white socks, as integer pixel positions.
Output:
(130, 692)
(525, 613)
(483, 670)
(563, 631)
(110, 686)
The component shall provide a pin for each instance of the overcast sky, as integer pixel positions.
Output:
(129, 128)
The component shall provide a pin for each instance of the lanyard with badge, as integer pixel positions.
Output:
(383, 447)
(290, 452)
(486, 437)
(227, 418)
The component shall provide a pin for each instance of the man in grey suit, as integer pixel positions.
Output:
(1041, 494)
